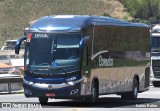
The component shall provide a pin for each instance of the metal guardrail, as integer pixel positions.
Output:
(10, 80)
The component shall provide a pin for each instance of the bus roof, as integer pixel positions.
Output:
(156, 34)
(76, 22)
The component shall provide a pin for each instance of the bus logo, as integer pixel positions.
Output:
(105, 61)
(49, 87)
(54, 66)
(41, 36)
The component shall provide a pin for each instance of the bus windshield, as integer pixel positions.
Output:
(155, 43)
(60, 49)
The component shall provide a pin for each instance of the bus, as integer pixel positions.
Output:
(80, 57)
(155, 56)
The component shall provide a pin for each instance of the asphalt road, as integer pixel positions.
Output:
(147, 101)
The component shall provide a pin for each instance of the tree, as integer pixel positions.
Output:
(142, 8)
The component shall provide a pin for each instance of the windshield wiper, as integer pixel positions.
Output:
(35, 73)
(36, 70)
(42, 64)
(156, 49)
(58, 69)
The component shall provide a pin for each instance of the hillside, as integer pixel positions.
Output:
(15, 14)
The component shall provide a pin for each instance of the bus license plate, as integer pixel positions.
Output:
(50, 94)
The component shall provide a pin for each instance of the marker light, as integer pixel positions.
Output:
(29, 36)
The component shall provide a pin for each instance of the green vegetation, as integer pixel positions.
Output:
(15, 14)
(143, 9)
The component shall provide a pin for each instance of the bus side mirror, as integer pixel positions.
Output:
(89, 55)
(82, 42)
(18, 43)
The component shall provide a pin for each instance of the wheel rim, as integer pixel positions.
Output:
(135, 91)
(93, 93)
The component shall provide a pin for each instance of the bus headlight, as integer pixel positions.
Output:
(151, 75)
(71, 83)
(151, 72)
(71, 79)
(27, 82)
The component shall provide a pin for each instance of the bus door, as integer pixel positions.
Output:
(86, 67)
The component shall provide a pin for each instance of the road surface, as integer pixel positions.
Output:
(147, 101)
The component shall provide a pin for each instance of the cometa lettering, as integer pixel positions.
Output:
(105, 61)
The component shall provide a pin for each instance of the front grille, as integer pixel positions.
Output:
(156, 68)
(156, 72)
(156, 63)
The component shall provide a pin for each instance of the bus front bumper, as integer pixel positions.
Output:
(154, 79)
(63, 90)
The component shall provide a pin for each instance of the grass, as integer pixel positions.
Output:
(15, 14)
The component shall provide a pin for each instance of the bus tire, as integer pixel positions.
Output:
(94, 92)
(133, 94)
(156, 83)
(43, 100)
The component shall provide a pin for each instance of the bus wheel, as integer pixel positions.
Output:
(94, 92)
(133, 94)
(43, 100)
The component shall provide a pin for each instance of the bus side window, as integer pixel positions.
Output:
(85, 56)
